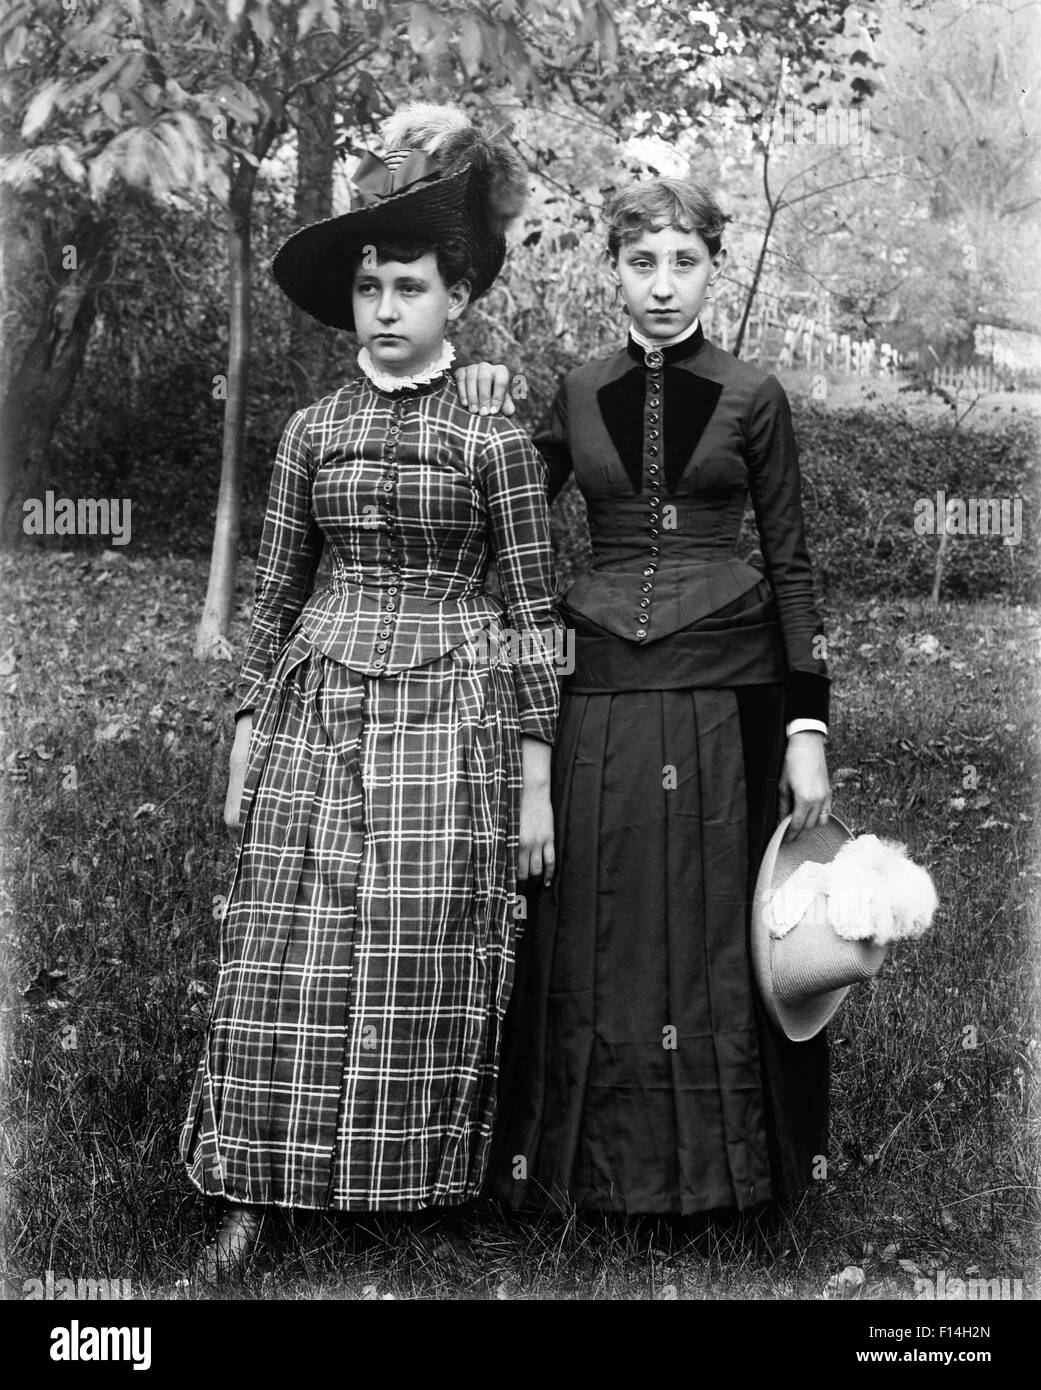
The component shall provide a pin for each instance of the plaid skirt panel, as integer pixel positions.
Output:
(366, 952)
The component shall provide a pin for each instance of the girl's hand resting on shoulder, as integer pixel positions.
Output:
(804, 787)
(237, 772)
(484, 389)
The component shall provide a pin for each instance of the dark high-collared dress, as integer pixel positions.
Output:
(366, 951)
(640, 1073)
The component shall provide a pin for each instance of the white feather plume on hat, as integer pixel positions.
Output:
(423, 125)
(870, 890)
(446, 133)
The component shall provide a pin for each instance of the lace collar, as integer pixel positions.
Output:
(386, 381)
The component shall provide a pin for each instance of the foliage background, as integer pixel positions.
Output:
(143, 421)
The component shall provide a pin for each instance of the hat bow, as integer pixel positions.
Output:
(375, 181)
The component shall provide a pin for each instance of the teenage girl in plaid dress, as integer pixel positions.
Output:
(389, 777)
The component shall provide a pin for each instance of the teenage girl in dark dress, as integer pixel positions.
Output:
(640, 1073)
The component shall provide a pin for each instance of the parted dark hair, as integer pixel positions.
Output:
(453, 257)
(654, 204)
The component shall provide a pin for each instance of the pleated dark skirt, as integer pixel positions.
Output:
(640, 1072)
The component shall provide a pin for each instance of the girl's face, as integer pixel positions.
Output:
(663, 277)
(401, 309)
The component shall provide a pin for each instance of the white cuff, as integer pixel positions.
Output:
(797, 725)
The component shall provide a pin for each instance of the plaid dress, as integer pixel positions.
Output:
(366, 951)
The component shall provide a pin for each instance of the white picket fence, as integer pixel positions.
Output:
(981, 377)
(801, 340)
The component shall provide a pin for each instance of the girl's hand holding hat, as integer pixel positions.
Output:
(804, 789)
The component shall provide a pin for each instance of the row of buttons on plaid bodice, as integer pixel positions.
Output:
(388, 511)
(652, 457)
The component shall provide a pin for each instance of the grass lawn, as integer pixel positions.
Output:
(114, 758)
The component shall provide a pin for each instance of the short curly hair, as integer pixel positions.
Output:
(654, 204)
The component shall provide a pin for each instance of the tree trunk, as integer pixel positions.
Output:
(42, 370)
(941, 555)
(754, 287)
(211, 634)
(311, 344)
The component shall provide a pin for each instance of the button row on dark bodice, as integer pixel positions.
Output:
(388, 509)
(652, 435)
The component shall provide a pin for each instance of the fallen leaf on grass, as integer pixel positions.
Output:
(114, 730)
(922, 646)
(47, 985)
(846, 1284)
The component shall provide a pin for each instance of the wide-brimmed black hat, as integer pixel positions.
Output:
(442, 182)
